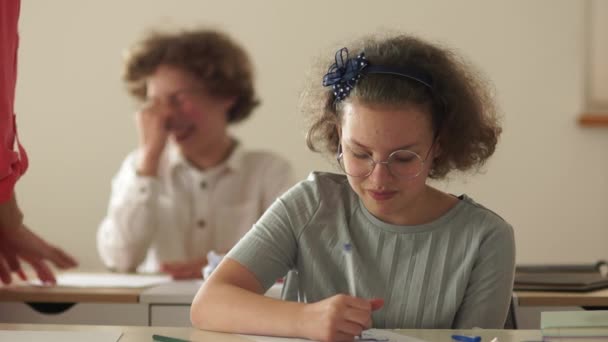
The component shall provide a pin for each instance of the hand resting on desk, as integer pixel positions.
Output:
(22, 243)
(190, 269)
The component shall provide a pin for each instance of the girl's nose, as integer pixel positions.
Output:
(380, 174)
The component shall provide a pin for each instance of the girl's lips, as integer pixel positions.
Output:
(381, 195)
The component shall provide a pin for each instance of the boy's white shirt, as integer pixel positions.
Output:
(174, 217)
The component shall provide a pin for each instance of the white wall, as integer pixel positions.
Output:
(549, 177)
(598, 55)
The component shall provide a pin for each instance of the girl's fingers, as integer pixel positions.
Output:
(359, 303)
(376, 303)
(350, 328)
(359, 317)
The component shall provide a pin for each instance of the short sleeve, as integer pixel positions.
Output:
(270, 248)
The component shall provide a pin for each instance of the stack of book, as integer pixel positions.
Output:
(552, 277)
(574, 326)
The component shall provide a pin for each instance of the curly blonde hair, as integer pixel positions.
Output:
(211, 57)
(463, 111)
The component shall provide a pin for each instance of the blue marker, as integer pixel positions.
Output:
(464, 338)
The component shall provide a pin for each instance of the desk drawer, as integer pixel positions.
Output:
(170, 315)
(78, 313)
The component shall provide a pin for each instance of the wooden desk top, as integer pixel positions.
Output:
(556, 298)
(61, 294)
(173, 292)
(90, 287)
(132, 295)
(140, 334)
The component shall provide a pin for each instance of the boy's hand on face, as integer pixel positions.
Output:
(153, 130)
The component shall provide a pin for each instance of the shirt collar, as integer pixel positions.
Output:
(233, 163)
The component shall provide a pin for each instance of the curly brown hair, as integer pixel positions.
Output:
(463, 111)
(211, 57)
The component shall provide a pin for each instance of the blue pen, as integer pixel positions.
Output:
(161, 338)
(465, 338)
(350, 269)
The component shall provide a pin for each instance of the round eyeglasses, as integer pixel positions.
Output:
(403, 164)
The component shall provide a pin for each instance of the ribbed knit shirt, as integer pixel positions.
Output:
(454, 272)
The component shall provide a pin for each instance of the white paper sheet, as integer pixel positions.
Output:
(108, 280)
(58, 336)
(379, 335)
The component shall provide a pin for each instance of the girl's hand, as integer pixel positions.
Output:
(338, 318)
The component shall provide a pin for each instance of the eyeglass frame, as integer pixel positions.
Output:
(387, 162)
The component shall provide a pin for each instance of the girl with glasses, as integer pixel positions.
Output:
(395, 112)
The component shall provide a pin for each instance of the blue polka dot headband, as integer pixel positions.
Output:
(344, 74)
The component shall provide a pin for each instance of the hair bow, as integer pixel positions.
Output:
(344, 74)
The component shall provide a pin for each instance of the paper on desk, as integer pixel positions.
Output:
(107, 280)
(58, 336)
(378, 334)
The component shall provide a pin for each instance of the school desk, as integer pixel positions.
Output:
(71, 305)
(531, 303)
(169, 304)
(144, 334)
(159, 305)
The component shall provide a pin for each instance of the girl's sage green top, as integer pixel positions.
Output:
(454, 272)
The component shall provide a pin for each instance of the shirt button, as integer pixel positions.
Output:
(203, 185)
(201, 223)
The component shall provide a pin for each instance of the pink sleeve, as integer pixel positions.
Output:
(13, 163)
